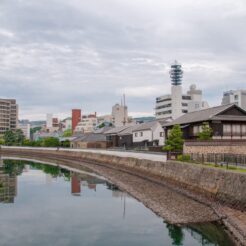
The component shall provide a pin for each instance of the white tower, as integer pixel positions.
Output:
(176, 95)
(176, 75)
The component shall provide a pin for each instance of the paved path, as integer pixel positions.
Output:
(138, 155)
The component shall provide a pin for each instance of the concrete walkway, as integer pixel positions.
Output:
(137, 155)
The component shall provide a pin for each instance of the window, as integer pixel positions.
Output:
(163, 100)
(236, 97)
(243, 130)
(236, 130)
(186, 97)
(197, 106)
(161, 134)
(197, 129)
(164, 106)
(227, 130)
(141, 134)
(136, 134)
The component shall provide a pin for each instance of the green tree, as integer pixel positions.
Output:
(9, 138)
(19, 137)
(38, 143)
(206, 132)
(51, 142)
(28, 142)
(101, 125)
(67, 133)
(35, 129)
(175, 140)
(1, 141)
(65, 144)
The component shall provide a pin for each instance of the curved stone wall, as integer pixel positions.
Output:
(225, 186)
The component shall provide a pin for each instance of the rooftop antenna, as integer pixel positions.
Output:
(176, 73)
(124, 105)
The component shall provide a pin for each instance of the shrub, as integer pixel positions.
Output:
(206, 133)
(183, 157)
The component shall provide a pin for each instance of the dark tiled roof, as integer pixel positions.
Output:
(90, 137)
(129, 130)
(230, 117)
(165, 120)
(103, 129)
(116, 130)
(201, 115)
(146, 126)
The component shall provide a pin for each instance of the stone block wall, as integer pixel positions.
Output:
(215, 147)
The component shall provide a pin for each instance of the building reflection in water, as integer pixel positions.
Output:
(8, 185)
(79, 180)
(75, 184)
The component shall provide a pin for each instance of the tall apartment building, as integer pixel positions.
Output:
(235, 96)
(176, 104)
(8, 115)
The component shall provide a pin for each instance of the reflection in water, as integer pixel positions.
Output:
(8, 181)
(68, 207)
(176, 233)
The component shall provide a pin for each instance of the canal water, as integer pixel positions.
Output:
(43, 204)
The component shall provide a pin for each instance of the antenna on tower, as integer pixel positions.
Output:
(176, 73)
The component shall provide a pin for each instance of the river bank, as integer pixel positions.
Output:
(174, 203)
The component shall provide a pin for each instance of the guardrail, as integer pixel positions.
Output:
(223, 159)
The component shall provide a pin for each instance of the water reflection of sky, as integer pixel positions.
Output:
(81, 211)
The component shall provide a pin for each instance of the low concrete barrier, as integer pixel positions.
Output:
(225, 186)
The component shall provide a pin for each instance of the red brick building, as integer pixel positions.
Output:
(76, 117)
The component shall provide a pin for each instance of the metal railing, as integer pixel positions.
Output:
(222, 159)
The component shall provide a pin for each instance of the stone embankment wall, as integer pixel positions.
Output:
(225, 186)
(216, 147)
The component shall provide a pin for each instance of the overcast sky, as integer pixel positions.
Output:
(56, 55)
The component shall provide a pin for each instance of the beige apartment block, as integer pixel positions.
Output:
(8, 115)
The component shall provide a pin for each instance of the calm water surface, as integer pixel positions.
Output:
(47, 205)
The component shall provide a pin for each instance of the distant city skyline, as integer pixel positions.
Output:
(57, 55)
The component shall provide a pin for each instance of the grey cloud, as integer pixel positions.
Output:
(57, 54)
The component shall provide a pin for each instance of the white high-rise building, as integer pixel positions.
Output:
(49, 122)
(119, 115)
(176, 104)
(26, 129)
(235, 96)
